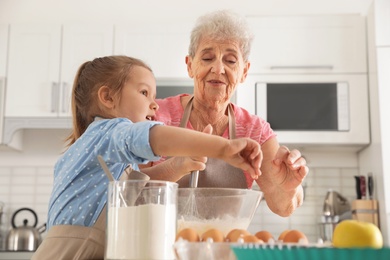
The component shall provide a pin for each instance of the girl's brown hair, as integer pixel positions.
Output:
(110, 71)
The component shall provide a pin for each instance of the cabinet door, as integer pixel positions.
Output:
(33, 69)
(382, 22)
(162, 46)
(3, 48)
(308, 44)
(3, 58)
(81, 43)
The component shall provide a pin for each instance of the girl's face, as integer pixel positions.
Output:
(137, 98)
(217, 68)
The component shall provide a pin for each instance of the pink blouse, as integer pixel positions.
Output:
(247, 125)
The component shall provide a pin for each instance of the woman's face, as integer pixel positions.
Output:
(217, 68)
(137, 98)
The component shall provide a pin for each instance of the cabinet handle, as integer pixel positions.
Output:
(54, 97)
(310, 67)
(2, 103)
(65, 97)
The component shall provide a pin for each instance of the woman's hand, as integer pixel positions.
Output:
(283, 173)
(289, 168)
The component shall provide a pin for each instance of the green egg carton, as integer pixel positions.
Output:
(250, 251)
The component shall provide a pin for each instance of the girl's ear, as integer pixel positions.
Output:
(105, 98)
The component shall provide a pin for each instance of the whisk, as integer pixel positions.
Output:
(190, 208)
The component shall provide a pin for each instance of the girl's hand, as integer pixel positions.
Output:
(246, 154)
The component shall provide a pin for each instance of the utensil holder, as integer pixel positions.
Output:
(365, 210)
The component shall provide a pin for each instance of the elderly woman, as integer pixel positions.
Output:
(218, 62)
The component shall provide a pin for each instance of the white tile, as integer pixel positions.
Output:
(5, 171)
(4, 190)
(22, 200)
(45, 171)
(19, 189)
(23, 171)
(44, 179)
(5, 179)
(42, 199)
(44, 189)
(28, 179)
(328, 173)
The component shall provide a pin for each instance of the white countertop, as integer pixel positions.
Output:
(8, 255)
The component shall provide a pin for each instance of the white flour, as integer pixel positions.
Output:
(141, 232)
(225, 225)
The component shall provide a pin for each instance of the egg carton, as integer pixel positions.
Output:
(210, 250)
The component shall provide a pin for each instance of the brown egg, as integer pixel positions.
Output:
(252, 239)
(281, 236)
(264, 235)
(188, 234)
(214, 234)
(235, 234)
(295, 236)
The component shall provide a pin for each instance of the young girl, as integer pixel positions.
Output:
(113, 105)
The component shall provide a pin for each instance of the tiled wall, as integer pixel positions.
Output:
(26, 181)
(307, 217)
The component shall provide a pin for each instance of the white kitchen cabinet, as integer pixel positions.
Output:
(382, 22)
(308, 44)
(162, 46)
(3, 58)
(3, 48)
(43, 61)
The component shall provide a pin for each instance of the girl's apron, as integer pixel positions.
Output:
(218, 173)
(69, 242)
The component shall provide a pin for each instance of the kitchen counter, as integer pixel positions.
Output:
(9, 255)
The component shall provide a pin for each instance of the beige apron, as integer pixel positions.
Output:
(68, 242)
(218, 173)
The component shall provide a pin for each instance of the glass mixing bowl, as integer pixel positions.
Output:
(221, 208)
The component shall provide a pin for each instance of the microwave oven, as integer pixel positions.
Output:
(311, 110)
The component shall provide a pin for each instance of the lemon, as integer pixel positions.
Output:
(353, 233)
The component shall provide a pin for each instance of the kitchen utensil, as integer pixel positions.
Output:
(221, 208)
(357, 187)
(194, 179)
(131, 175)
(24, 238)
(335, 204)
(363, 187)
(109, 175)
(145, 229)
(1, 210)
(327, 225)
(190, 207)
(370, 184)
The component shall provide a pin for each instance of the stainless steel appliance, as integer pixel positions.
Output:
(25, 237)
(336, 208)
